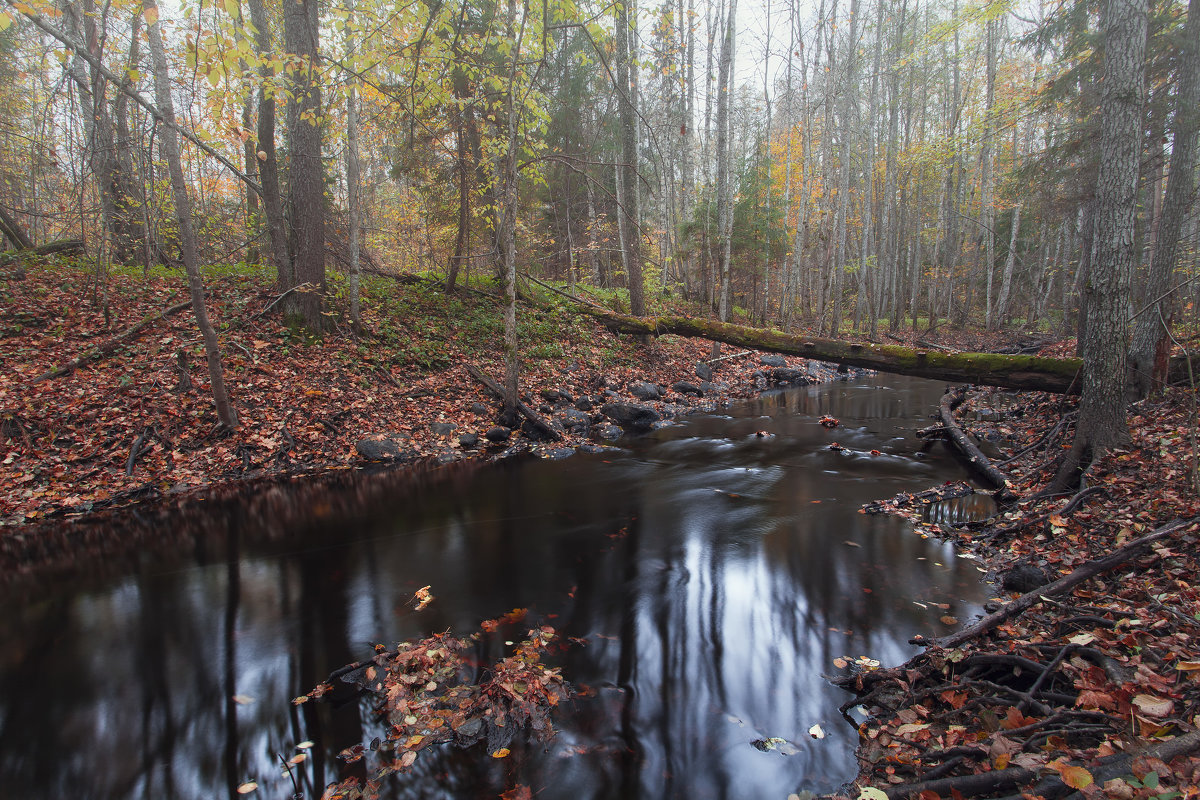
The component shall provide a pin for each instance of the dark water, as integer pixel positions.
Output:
(714, 575)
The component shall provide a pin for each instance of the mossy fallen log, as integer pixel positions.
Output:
(989, 369)
(1060, 375)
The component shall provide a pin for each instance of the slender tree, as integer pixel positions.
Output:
(183, 210)
(1150, 346)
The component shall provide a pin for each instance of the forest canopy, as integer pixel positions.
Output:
(893, 163)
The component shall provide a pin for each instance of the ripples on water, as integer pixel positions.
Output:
(713, 573)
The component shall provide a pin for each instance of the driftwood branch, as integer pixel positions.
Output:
(539, 424)
(974, 456)
(1061, 586)
(105, 349)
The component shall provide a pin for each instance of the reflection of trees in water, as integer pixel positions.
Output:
(709, 619)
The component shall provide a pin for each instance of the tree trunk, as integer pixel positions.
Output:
(183, 209)
(268, 162)
(989, 369)
(306, 184)
(627, 214)
(1150, 336)
(354, 201)
(1102, 419)
(724, 190)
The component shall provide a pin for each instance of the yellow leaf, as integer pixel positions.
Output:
(871, 793)
(297, 759)
(5, 21)
(1188, 666)
(1075, 777)
(501, 753)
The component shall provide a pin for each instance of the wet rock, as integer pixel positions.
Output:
(772, 360)
(1024, 578)
(575, 421)
(683, 387)
(610, 432)
(480, 409)
(468, 440)
(704, 371)
(535, 433)
(584, 404)
(382, 448)
(557, 453)
(631, 415)
(643, 390)
(789, 376)
(713, 388)
(443, 428)
(600, 448)
(556, 397)
(498, 434)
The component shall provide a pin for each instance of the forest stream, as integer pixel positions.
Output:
(712, 572)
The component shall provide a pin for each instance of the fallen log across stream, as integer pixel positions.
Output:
(1059, 375)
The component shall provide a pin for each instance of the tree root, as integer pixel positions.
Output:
(539, 424)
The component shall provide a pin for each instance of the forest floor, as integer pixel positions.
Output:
(1095, 689)
(128, 426)
(1056, 698)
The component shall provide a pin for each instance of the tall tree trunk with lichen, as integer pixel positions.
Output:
(1102, 414)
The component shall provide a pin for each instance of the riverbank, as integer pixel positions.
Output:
(1095, 688)
(138, 421)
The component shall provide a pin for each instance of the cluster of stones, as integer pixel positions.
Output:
(602, 416)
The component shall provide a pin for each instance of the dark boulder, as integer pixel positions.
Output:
(584, 404)
(468, 440)
(704, 371)
(683, 387)
(498, 434)
(1024, 578)
(443, 428)
(480, 409)
(631, 415)
(557, 453)
(556, 397)
(382, 448)
(790, 377)
(643, 390)
(772, 360)
(610, 432)
(575, 420)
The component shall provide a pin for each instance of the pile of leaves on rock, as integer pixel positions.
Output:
(1084, 678)
(434, 692)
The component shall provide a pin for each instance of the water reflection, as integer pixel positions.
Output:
(713, 574)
